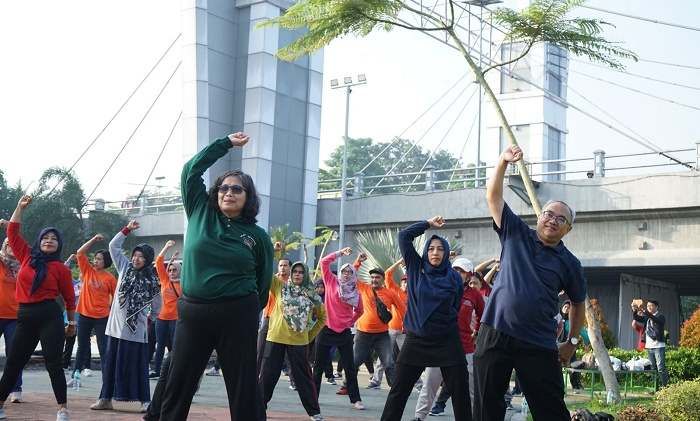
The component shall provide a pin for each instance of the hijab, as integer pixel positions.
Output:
(347, 290)
(298, 301)
(138, 286)
(39, 260)
(10, 263)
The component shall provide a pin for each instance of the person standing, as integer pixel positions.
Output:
(170, 292)
(125, 366)
(655, 343)
(519, 329)
(97, 289)
(9, 266)
(227, 267)
(343, 308)
(41, 279)
(296, 318)
(432, 337)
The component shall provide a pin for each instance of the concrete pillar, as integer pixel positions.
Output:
(697, 155)
(429, 178)
(598, 163)
(359, 184)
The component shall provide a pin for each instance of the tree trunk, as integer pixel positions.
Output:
(601, 353)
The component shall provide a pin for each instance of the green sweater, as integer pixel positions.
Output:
(222, 257)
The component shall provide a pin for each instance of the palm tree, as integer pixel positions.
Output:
(289, 241)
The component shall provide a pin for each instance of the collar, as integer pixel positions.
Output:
(559, 248)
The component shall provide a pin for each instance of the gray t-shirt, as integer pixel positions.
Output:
(116, 324)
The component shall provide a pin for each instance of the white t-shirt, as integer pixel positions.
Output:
(651, 343)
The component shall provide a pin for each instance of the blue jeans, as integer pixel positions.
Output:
(7, 328)
(85, 327)
(165, 333)
(657, 356)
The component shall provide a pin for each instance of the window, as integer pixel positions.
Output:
(557, 64)
(520, 68)
(554, 149)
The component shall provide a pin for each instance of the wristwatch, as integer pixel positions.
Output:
(574, 341)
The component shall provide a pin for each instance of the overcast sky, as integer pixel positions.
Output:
(67, 66)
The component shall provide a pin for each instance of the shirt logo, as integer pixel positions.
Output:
(248, 241)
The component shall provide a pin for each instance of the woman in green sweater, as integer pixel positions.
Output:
(295, 320)
(226, 272)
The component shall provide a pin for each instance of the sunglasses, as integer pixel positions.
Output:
(235, 188)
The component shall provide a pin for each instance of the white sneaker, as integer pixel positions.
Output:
(16, 397)
(359, 405)
(144, 407)
(316, 417)
(101, 405)
(86, 373)
(62, 415)
(212, 372)
(70, 382)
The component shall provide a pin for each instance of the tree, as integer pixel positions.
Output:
(322, 239)
(541, 21)
(362, 151)
(290, 240)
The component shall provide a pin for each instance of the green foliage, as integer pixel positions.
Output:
(689, 303)
(361, 151)
(680, 402)
(638, 413)
(683, 364)
(690, 331)
(325, 235)
(290, 240)
(547, 21)
(599, 405)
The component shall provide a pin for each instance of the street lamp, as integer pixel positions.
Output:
(347, 84)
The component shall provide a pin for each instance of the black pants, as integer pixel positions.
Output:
(37, 322)
(262, 338)
(231, 328)
(153, 413)
(151, 339)
(539, 374)
(455, 377)
(325, 340)
(85, 327)
(298, 365)
(69, 344)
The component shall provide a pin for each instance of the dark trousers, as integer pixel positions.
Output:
(85, 327)
(37, 322)
(262, 338)
(298, 365)
(7, 329)
(539, 374)
(231, 328)
(456, 378)
(165, 332)
(151, 339)
(153, 413)
(380, 343)
(67, 356)
(325, 340)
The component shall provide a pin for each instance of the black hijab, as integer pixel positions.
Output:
(40, 259)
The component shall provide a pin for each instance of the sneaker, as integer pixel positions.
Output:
(86, 373)
(359, 405)
(102, 405)
(342, 391)
(2, 414)
(292, 387)
(337, 375)
(70, 382)
(62, 415)
(437, 410)
(213, 372)
(373, 385)
(316, 417)
(144, 407)
(331, 381)
(153, 375)
(16, 397)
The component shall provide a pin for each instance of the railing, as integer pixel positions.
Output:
(432, 180)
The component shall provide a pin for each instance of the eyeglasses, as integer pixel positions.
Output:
(560, 220)
(235, 188)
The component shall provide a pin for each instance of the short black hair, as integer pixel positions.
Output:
(106, 258)
(377, 271)
(252, 201)
(285, 258)
(656, 303)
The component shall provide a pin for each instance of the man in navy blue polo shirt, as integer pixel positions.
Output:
(518, 329)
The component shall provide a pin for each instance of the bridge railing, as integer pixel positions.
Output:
(431, 179)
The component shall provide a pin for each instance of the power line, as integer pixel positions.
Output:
(466, 140)
(131, 136)
(118, 110)
(629, 88)
(667, 82)
(159, 155)
(666, 63)
(660, 22)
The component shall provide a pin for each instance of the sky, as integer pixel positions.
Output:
(68, 66)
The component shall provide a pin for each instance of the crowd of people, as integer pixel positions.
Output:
(464, 329)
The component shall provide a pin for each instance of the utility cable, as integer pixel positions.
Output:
(464, 145)
(143, 189)
(659, 22)
(118, 111)
(131, 136)
(667, 82)
(667, 63)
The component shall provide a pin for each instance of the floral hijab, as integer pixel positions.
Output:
(298, 301)
(10, 263)
(348, 289)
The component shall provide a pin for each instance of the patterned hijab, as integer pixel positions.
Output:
(298, 301)
(138, 287)
(10, 263)
(348, 290)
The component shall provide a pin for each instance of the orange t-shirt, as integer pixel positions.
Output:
(169, 291)
(396, 322)
(96, 291)
(8, 302)
(370, 322)
(270, 300)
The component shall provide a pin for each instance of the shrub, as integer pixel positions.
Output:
(638, 413)
(683, 364)
(680, 401)
(690, 331)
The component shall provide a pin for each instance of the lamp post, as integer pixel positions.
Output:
(347, 84)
